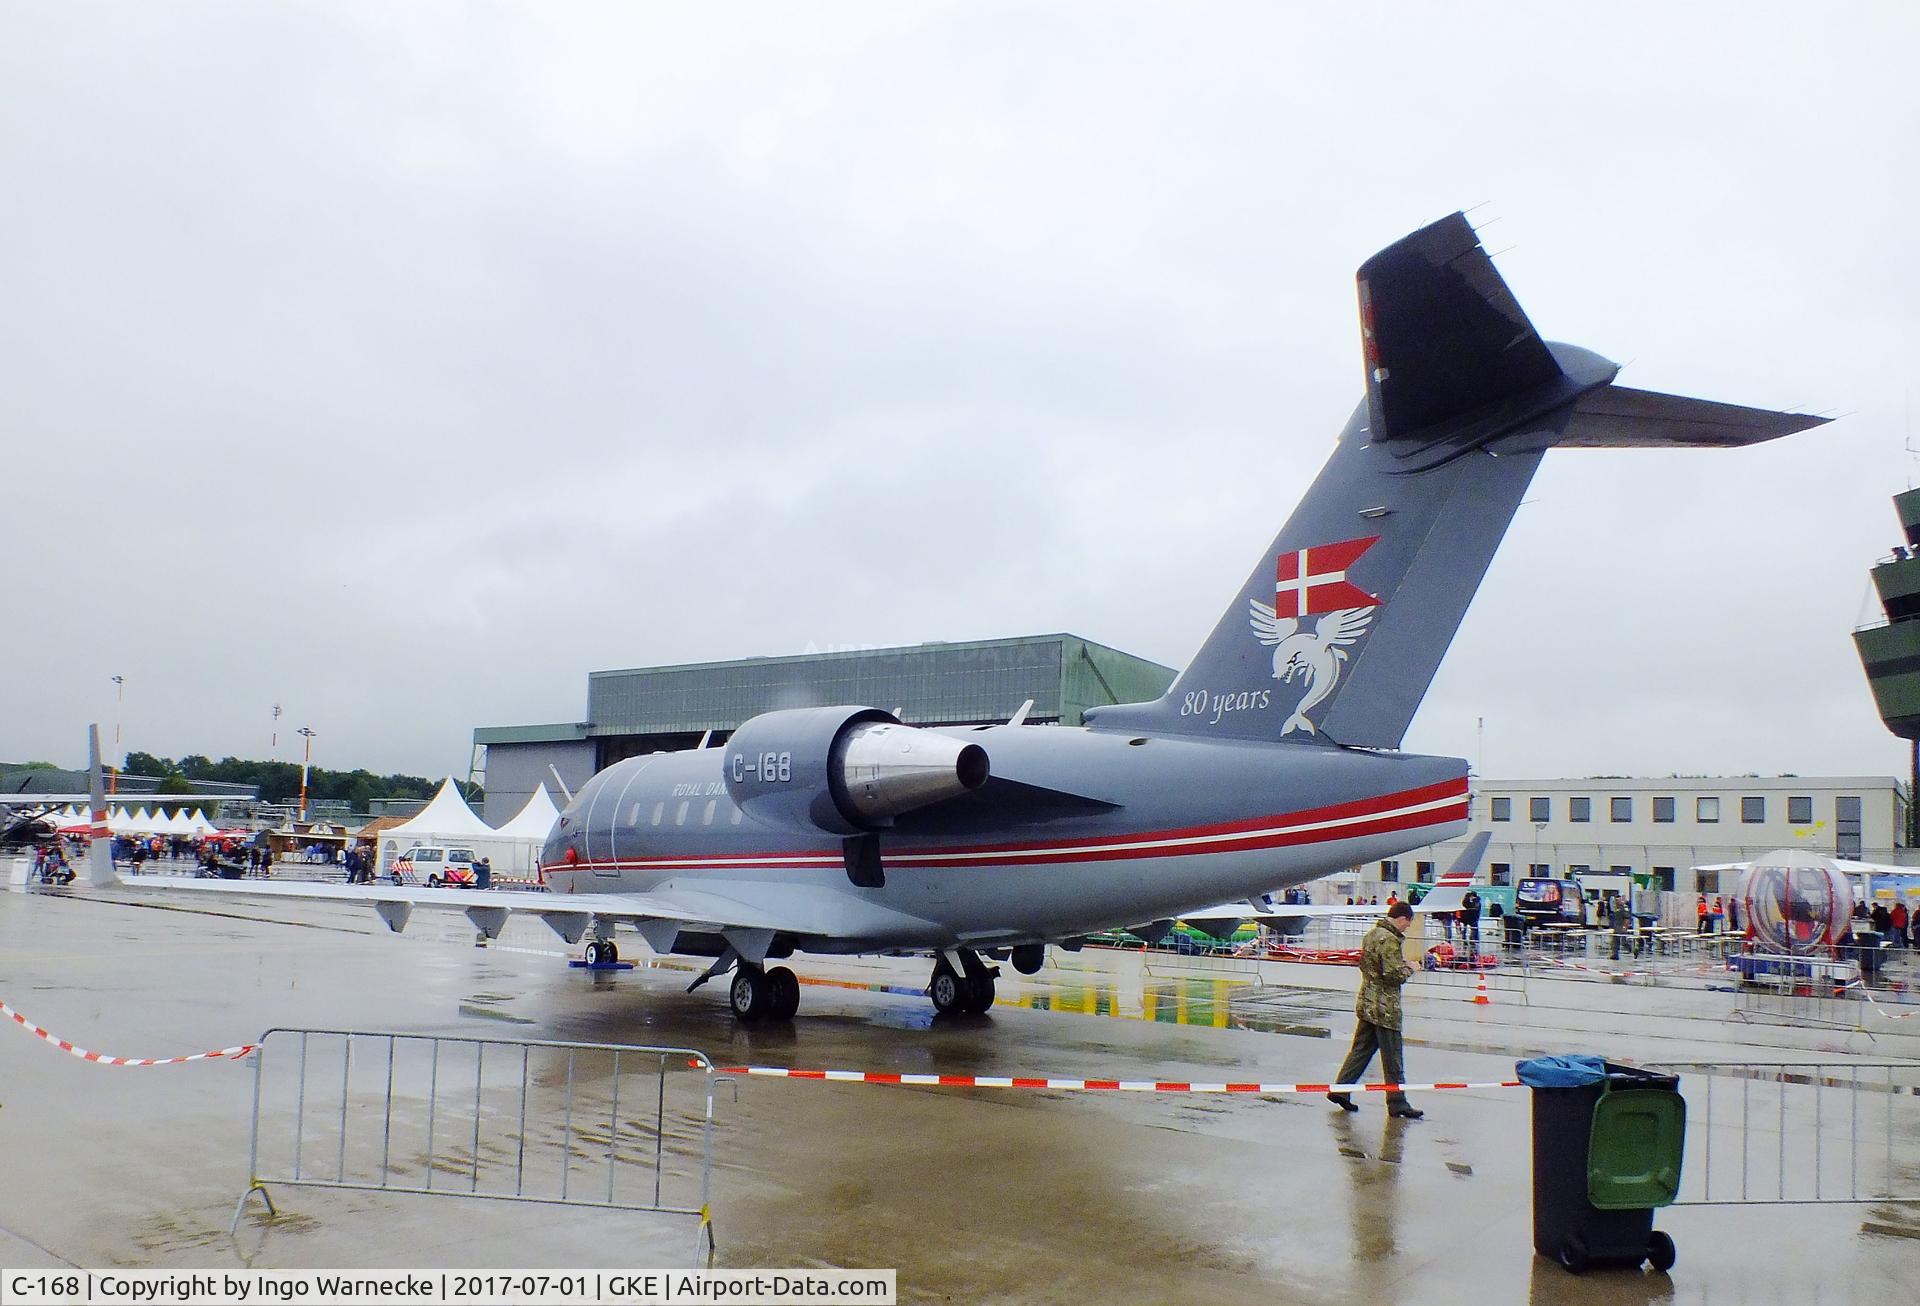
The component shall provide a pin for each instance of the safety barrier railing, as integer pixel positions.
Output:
(605, 1125)
(1502, 982)
(1790, 1133)
(1799, 990)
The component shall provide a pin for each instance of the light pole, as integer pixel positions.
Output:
(119, 702)
(274, 744)
(305, 760)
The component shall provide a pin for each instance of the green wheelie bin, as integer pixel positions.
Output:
(1608, 1141)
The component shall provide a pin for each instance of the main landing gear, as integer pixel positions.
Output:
(967, 991)
(602, 952)
(757, 994)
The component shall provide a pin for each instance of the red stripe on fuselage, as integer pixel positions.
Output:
(1339, 821)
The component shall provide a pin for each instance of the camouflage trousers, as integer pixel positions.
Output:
(1369, 1038)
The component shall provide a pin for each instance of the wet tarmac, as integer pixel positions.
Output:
(972, 1194)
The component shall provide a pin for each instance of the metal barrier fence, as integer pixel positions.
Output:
(1790, 1133)
(605, 1125)
(1503, 983)
(1800, 991)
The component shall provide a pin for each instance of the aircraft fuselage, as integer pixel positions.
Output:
(1079, 830)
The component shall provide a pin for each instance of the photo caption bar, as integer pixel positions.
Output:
(445, 1287)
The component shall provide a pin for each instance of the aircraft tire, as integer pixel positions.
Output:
(596, 952)
(786, 993)
(750, 995)
(609, 952)
(948, 991)
(979, 994)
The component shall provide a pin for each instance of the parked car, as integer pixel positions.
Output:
(440, 865)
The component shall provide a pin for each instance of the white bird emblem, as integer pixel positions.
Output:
(1316, 654)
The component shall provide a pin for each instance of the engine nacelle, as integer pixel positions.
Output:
(844, 770)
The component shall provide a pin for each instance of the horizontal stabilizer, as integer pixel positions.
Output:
(1619, 417)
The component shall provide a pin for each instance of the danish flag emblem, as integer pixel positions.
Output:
(1314, 579)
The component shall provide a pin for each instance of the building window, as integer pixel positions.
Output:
(1423, 872)
(1539, 810)
(1620, 810)
(1706, 811)
(1800, 811)
(1503, 809)
(1709, 881)
(1503, 873)
(1663, 878)
(1621, 870)
(1390, 872)
(1663, 811)
(1579, 869)
(1753, 811)
(1579, 810)
(1539, 870)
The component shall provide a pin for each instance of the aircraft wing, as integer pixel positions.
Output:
(567, 914)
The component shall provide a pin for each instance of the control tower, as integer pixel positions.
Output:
(1890, 650)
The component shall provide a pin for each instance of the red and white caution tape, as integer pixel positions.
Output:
(101, 1059)
(1090, 1085)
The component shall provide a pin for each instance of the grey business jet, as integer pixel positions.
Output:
(1273, 760)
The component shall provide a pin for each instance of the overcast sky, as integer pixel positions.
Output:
(401, 364)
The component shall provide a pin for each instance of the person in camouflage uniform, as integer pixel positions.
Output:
(1383, 969)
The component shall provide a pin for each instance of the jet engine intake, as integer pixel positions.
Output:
(845, 770)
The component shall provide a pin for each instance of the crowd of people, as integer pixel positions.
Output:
(1895, 924)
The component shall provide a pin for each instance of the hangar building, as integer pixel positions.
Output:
(653, 709)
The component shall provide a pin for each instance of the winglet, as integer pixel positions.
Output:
(1450, 890)
(100, 872)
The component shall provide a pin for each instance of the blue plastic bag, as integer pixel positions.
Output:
(1561, 1072)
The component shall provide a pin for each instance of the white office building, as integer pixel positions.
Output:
(1611, 825)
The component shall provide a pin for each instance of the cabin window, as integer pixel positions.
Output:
(707, 817)
(680, 813)
(659, 811)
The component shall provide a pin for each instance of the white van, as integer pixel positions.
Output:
(437, 864)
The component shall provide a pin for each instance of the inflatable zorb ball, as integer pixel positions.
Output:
(1797, 903)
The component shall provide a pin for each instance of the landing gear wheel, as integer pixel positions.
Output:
(1573, 1255)
(609, 952)
(979, 994)
(751, 995)
(948, 991)
(786, 993)
(596, 952)
(1660, 1251)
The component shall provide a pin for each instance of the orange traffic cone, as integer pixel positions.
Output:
(1480, 998)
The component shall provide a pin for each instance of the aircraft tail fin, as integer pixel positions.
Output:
(1340, 628)
(100, 870)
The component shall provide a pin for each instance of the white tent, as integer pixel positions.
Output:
(535, 820)
(199, 824)
(448, 820)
